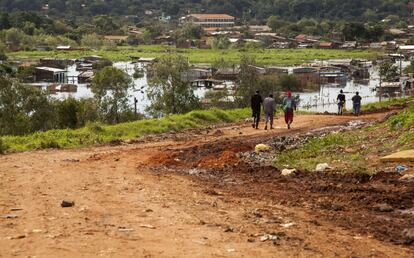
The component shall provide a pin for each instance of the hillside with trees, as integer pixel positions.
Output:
(247, 9)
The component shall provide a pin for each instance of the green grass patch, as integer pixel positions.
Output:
(356, 151)
(263, 56)
(371, 107)
(99, 134)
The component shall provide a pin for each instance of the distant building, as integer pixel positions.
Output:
(63, 48)
(50, 74)
(307, 76)
(210, 20)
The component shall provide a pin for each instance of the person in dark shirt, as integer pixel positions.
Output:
(356, 102)
(256, 105)
(341, 102)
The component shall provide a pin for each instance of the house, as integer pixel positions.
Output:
(397, 32)
(163, 40)
(303, 38)
(85, 76)
(229, 74)
(63, 48)
(195, 74)
(349, 45)
(327, 44)
(116, 39)
(332, 75)
(50, 74)
(210, 20)
(63, 87)
(254, 28)
(276, 70)
(407, 48)
(307, 76)
(55, 63)
(375, 45)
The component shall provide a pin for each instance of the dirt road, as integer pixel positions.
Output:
(139, 200)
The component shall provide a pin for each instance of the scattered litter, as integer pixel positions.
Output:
(230, 229)
(262, 147)
(288, 172)
(125, 229)
(322, 167)
(67, 203)
(287, 225)
(9, 216)
(194, 171)
(408, 235)
(147, 226)
(231, 250)
(37, 231)
(383, 207)
(400, 168)
(267, 237)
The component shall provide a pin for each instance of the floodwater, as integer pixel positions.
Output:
(318, 101)
(138, 92)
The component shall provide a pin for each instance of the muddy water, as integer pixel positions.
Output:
(138, 92)
(318, 101)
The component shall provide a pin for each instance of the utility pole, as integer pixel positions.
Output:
(135, 107)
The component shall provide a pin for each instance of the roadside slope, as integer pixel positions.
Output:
(125, 205)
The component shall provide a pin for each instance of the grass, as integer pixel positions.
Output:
(357, 150)
(100, 134)
(263, 56)
(371, 107)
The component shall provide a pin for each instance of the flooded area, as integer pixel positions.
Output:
(323, 100)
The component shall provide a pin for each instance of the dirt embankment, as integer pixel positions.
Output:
(194, 195)
(381, 206)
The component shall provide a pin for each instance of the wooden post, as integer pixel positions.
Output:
(135, 107)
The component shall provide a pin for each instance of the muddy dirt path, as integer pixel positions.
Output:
(138, 200)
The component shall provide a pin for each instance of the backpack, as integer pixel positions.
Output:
(288, 104)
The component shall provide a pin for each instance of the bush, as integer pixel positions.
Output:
(3, 146)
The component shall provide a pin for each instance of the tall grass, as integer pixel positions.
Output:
(98, 134)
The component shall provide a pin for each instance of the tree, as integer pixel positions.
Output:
(221, 42)
(23, 109)
(274, 23)
(92, 41)
(289, 82)
(248, 79)
(388, 71)
(110, 88)
(168, 92)
(354, 31)
(3, 56)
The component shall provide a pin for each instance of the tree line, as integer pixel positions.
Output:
(258, 10)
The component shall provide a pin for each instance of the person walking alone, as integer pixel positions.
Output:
(289, 105)
(356, 102)
(256, 105)
(341, 102)
(269, 106)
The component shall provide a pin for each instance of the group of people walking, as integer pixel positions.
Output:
(356, 103)
(269, 108)
(289, 106)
